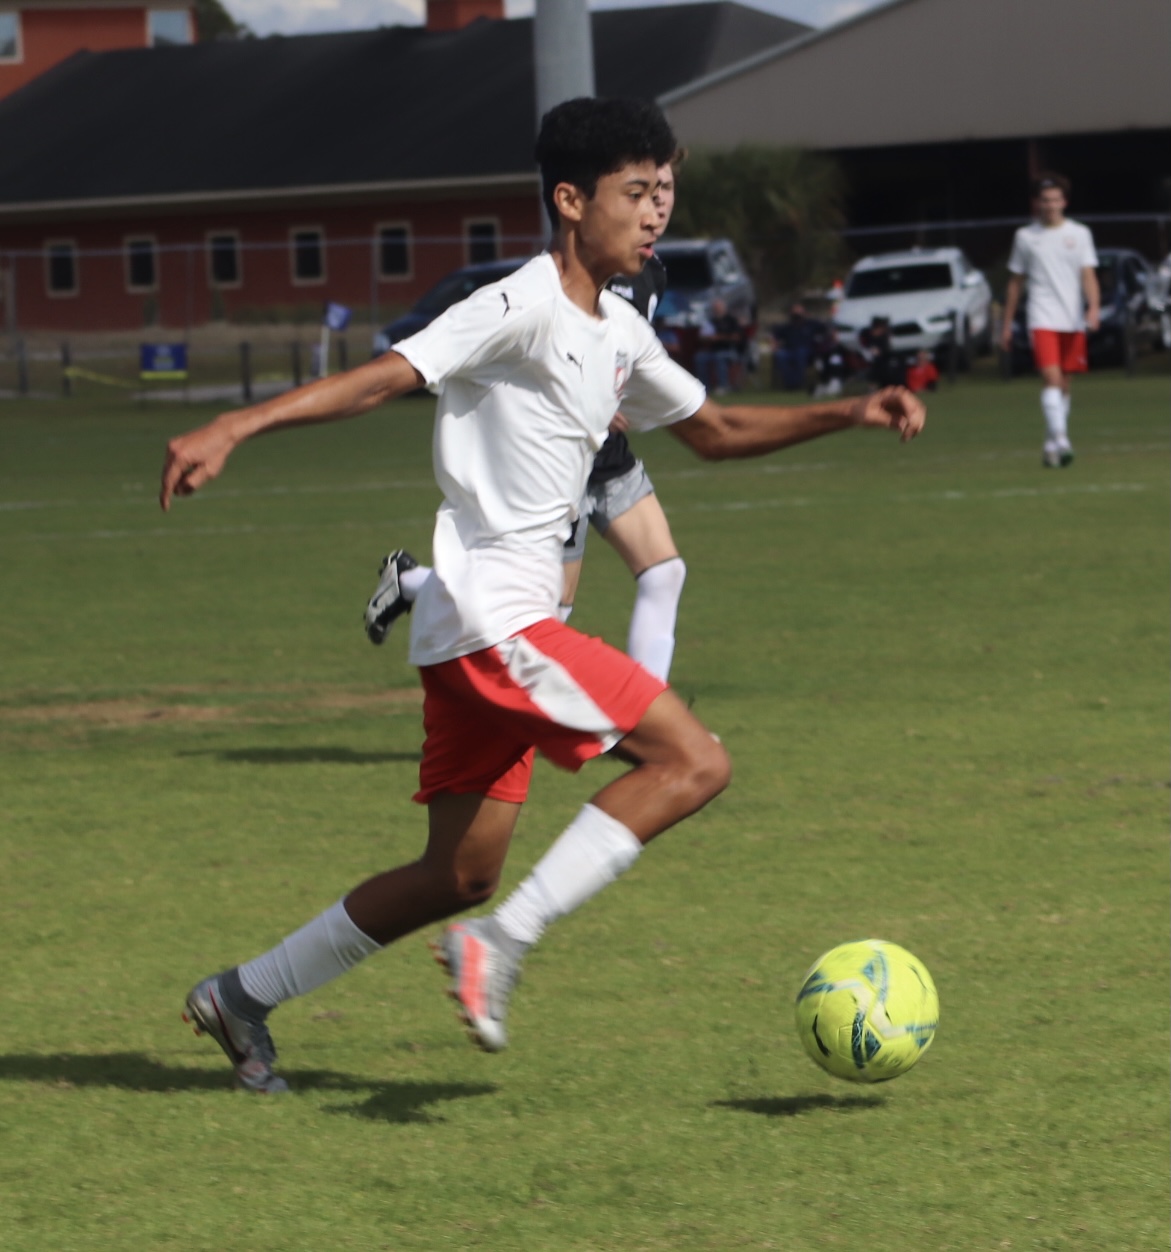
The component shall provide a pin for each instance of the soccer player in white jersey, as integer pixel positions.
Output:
(1056, 255)
(620, 503)
(529, 373)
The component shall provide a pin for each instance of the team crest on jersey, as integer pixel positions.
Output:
(621, 372)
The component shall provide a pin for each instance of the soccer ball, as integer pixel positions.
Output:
(867, 1011)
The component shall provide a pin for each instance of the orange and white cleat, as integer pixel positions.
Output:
(484, 968)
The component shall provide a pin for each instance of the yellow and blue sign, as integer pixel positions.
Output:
(162, 362)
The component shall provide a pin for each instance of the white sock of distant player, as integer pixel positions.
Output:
(411, 581)
(1053, 407)
(322, 949)
(1065, 397)
(592, 851)
(651, 641)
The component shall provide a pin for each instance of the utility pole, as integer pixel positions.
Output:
(563, 57)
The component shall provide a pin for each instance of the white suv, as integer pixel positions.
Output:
(923, 292)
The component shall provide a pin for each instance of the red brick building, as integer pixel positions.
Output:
(178, 184)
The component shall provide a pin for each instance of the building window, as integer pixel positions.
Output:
(10, 49)
(61, 267)
(482, 240)
(308, 243)
(141, 264)
(168, 28)
(394, 251)
(223, 259)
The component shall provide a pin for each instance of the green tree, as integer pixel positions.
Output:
(783, 208)
(213, 21)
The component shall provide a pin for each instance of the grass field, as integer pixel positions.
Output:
(942, 676)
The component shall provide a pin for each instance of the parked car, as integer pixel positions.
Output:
(700, 271)
(1131, 320)
(925, 292)
(446, 292)
(1161, 298)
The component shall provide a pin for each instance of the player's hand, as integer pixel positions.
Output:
(892, 408)
(619, 424)
(192, 460)
(1093, 319)
(1006, 337)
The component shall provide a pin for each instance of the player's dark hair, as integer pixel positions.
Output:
(585, 139)
(1049, 180)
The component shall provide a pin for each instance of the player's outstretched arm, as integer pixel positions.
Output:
(199, 456)
(717, 434)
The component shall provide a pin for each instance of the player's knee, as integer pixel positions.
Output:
(470, 889)
(714, 771)
(703, 771)
(664, 580)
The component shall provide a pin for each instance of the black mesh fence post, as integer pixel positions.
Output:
(246, 372)
(21, 368)
(953, 351)
(66, 367)
(295, 354)
(343, 354)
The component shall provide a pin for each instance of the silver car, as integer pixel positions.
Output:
(926, 293)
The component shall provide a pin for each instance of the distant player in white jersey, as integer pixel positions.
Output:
(1056, 255)
(529, 373)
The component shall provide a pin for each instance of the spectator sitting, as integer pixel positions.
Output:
(921, 373)
(793, 346)
(882, 366)
(721, 344)
(831, 364)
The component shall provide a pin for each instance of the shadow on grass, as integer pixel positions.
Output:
(794, 1106)
(399, 1102)
(305, 756)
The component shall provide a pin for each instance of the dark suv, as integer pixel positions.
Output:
(700, 271)
(446, 292)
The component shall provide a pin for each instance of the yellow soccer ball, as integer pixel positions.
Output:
(867, 1011)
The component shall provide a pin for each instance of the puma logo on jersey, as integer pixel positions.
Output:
(574, 361)
(507, 306)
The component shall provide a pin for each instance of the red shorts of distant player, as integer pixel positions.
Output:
(1065, 349)
(547, 688)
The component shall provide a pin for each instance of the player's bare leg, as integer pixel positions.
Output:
(460, 867)
(680, 767)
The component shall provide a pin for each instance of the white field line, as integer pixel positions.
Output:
(385, 524)
(133, 493)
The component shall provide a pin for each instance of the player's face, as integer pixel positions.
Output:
(618, 225)
(664, 198)
(1050, 206)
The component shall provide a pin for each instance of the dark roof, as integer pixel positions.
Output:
(394, 105)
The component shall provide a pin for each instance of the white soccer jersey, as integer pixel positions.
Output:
(1052, 259)
(528, 384)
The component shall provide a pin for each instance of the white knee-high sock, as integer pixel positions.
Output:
(411, 581)
(1065, 410)
(1053, 407)
(651, 640)
(592, 851)
(317, 953)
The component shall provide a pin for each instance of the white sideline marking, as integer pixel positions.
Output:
(384, 524)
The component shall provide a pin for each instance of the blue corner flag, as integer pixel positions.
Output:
(337, 316)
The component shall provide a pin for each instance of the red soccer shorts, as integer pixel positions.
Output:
(548, 688)
(1063, 348)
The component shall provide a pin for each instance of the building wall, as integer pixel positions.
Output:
(186, 296)
(51, 34)
(925, 71)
